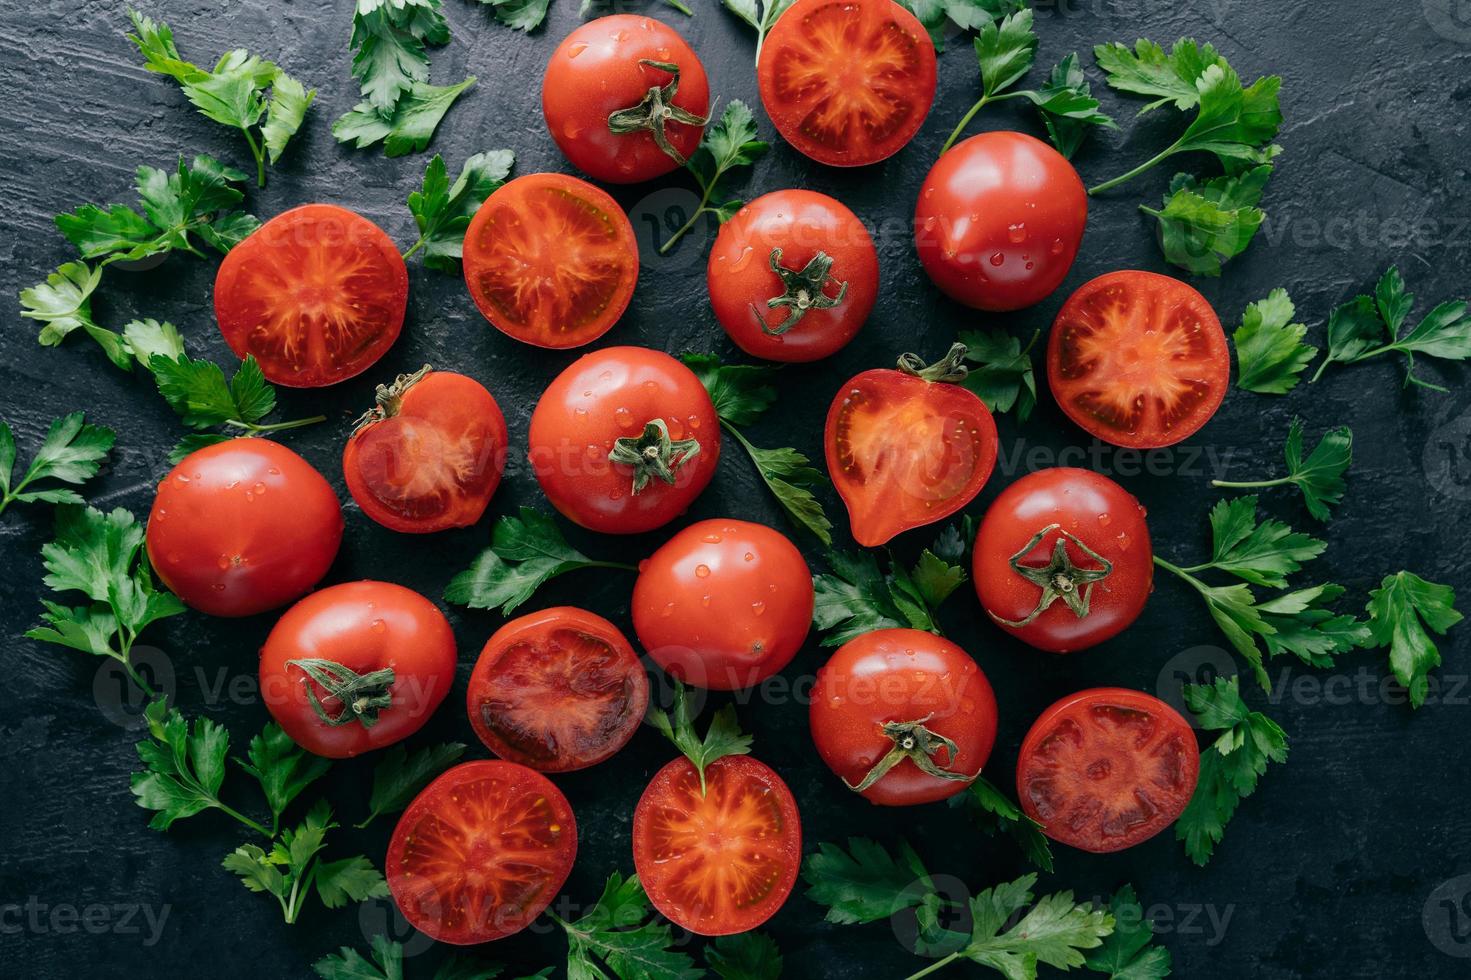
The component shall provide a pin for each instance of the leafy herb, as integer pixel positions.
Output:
(857, 598)
(443, 210)
(401, 774)
(523, 15)
(387, 964)
(865, 883)
(745, 956)
(1128, 954)
(408, 128)
(994, 812)
(724, 736)
(185, 767)
(1001, 372)
(1205, 224)
(72, 452)
(1319, 477)
(727, 144)
(759, 14)
(1399, 612)
(283, 769)
(619, 935)
(1270, 354)
(64, 303)
(968, 15)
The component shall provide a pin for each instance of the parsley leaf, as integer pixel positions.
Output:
(523, 15)
(857, 598)
(865, 883)
(994, 812)
(1068, 108)
(184, 768)
(759, 14)
(1400, 610)
(1148, 71)
(1259, 552)
(1319, 477)
(283, 769)
(349, 964)
(1002, 370)
(400, 775)
(741, 393)
(618, 933)
(1270, 354)
(724, 736)
(968, 15)
(443, 210)
(729, 143)
(409, 127)
(1204, 225)
(72, 452)
(1053, 932)
(745, 956)
(63, 303)
(1127, 954)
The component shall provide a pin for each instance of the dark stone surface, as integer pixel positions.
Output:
(1327, 871)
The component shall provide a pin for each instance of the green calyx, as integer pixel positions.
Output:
(389, 397)
(655, 111)
(653, 454)
(913, 741)
(949, 369)
(362, 696)
(802, 291)
(1061, 578)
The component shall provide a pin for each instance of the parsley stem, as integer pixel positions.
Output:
(1247, 484)
(965, 119)
(934, 967)
(1184, 573)
(260, 160)
(677, 5)
(417, 245)
(684, 229)
(258, 828)
(1122, 178)
(256, 429)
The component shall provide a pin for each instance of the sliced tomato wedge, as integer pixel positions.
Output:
(722, 862)
(551, 260)
(1138, 359)
(317, 294)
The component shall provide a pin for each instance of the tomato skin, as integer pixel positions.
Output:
(902, 675)
(607, 682)
(243, 526)
(313, 267)
(595, 72)
(607, 395)
(801, 223)
(717, 831)
(364, 626)
(999, 221)
(724, 604)
(1098, 512)
(444, 865)
(1093, 744)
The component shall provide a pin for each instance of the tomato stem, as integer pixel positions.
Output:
(1123, 178)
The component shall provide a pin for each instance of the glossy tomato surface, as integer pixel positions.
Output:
(999, 221)
(723, 862)
(330, 652)
(1105, 562)
(603, 70)
(1138, 359)
(557, 690)
(847, 82)
(481, 852)
(243, 526)
(724, 604)
(430, 455)
(827, 290)
(551, 260)
(609, 400)
(317, 294)
(893, 685)
(1107, 768)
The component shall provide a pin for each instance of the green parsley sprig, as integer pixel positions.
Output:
(995, 813)
(1205, 224)
(400, 774)
(1128, 953)
(724, 736)
(385, 962)
(72, 452)
(856, 597)
(1270, 354)
(744, 956)
(729, 143)
(442, 211)
(759, 14)
(618, 935)
(967, 15)
(1001, 370)
(1400, 611)
(1319, 476)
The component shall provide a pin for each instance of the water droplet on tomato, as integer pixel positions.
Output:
(997, 258)
(258, 488)
(693, 421)
(757, 608)
(930, 222)
(1056, 247)
(668, 610)
(742, 260)
(223, 562)
(748, 556)
(576, 49)
(711, 538)
(580, 412)
(624, 418)
(219, 586)
(1104, 520)
(377, 626)
(182, 479)
(1017, 233)
(705, 601)
(702, 571)
(1124, 540)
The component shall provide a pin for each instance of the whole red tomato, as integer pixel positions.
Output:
(793, 276)
(625, 98)
(356, 667)
(624, 440)
(999, 221)
(243, 526)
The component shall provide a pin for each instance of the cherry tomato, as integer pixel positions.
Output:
(724, 604)
(1107, 768)
(1062, 560)
(624, 440)
(907, 448)
(557, 690)
(722, 862)
(625, 98)
(243, 526)
(999, 221)
(1138, 359)
(356, 667)
(793, 276)
(481, 852)
(551, 260)
(430, 455)
(847, 82)
(317, 294)
(903, 717)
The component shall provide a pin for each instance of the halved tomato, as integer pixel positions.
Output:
(1138, 359)
(557, 690)
(317, 294)
(481, 852)
(847, 82)
(722, 862)
(551, 260)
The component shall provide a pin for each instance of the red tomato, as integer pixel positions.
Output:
(557, 690)
(481, 852)
(722, 862)
(723, 604)
(624, 440)
(551, 260)
(999, 221)
(903, 716)
(1138, 359)
(1107, 768)
(243, 526)
(793, 276)
(907, 448)
(317, 294)
(430, 455)
(614, 107)
(1062, 560)
(847, 82)
(356, 667)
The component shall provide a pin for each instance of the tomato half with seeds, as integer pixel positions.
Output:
(723, 861)
(317, 294)
(847, 82)
(909, 447)
(1138, 359)
(557, 690)
(551, 260)
(1107, 768)
(429, 455)
(481, 852)
(1062, 560)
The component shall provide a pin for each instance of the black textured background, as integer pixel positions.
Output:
(1327, 871)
